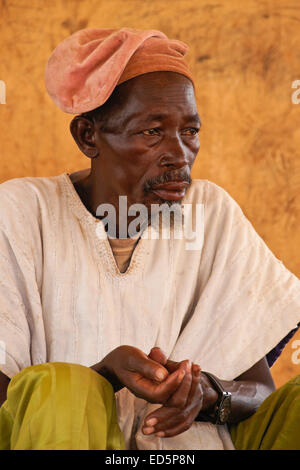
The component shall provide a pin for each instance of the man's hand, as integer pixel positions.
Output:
(248, 391)
(142, 375)
(181, 409)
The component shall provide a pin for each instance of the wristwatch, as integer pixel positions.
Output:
(222, 409)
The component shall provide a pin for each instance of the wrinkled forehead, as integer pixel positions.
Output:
(157, 92)
(158, 85)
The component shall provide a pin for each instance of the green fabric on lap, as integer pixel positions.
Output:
(276, 423)
(59, 406)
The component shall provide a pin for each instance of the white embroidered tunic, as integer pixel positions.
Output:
(63, 298)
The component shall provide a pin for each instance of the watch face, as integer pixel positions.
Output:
(224, 409)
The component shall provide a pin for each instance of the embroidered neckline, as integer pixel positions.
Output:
(94, 227)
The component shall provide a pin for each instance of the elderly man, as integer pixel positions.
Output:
(137, 343)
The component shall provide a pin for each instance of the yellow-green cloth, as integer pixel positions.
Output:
(276, 423)
(68, 406)
(59, 406)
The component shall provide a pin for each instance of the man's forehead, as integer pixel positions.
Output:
(157, 86)
(152, 100)
(148, 117)
(154, 97)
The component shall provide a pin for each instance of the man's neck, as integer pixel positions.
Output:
(84, 187)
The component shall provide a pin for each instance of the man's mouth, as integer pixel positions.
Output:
(171, 190)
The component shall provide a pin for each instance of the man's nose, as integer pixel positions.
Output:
(175, 154)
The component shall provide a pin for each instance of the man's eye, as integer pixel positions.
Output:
(150, 132)
(191, 131)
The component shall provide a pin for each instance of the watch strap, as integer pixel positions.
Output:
(221, 412)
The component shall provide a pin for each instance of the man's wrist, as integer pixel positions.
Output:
(218, 411)
(101, 369)
(210, 395)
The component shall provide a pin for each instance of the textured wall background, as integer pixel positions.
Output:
(244, 55)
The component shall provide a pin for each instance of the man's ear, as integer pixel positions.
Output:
(83, 132)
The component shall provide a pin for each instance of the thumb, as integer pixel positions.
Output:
(149, 368)
(156, 354)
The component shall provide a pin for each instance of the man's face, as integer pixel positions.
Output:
(149, 144)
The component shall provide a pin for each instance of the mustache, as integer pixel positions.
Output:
(168, 177)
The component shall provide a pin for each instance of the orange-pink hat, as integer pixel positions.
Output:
(84, 69)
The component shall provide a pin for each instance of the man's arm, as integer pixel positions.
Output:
(4, 381)
(248, 391)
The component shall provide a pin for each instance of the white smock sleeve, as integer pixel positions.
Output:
(20, 276)
(247, 300)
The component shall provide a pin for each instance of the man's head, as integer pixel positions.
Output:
(138, 120)
(143, 141)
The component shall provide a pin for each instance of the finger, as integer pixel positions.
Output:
(195, 399)
(170, 422)
(171, 366)
(196, 378)
(166, 418)
(163, 419)
(148, 368)
(165, 389)
(196, 369)
(157, 392)
(174, 431)
(180, 397)
(156, 354)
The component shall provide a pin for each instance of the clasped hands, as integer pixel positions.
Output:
(179, 387)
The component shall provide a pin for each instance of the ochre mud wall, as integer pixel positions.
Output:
(244, 56)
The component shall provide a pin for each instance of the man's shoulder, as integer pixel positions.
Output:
(27, 194)
(217, 202)
(202, 190)
(24, 188)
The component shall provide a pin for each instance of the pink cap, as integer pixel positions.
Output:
(84, 69)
